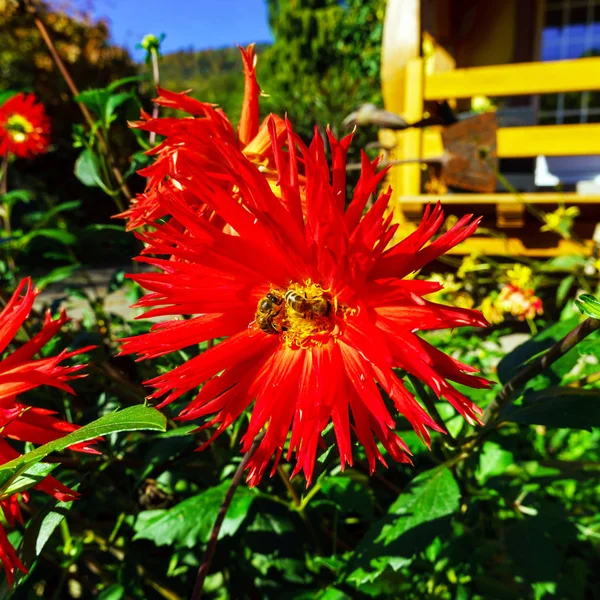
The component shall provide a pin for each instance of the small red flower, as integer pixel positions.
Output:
(24, 127)
(20, 372)
(186, 139)
(315, 306)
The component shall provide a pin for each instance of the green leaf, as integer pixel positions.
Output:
(111, 87)
(51, 521)
(94, 99)
(349, 495)
(32, 476)
(39, 530)
(105, 227)
(14, 196)
(134, 418)
(520, 356)
(87, 171)
(57, 274)
(415, 519)
(6, 95)
(112, 104)
(58, 235)
(588, 305)
(114, 591)
(558, 407)
(191, 521)
(563, 289)
(493, 461)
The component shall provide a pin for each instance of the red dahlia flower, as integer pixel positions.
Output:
(20, 372)
(24, 127)
(185, 144)
(315, 307)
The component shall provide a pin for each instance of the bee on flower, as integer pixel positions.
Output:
(24, 127)
(314, 301)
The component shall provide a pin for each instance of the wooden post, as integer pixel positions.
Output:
(402, 86)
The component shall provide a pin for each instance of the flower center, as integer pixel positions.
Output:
(18, 127)
(304, 315)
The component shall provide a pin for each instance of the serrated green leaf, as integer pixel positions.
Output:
(417, 517)
(134, 418)
(558, 407)
(191, 521)
(493, 461)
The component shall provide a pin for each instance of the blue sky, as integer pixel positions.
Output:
(198, 24)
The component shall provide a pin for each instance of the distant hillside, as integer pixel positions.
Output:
(212, 75)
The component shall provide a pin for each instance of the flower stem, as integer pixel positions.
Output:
(86, 113)
(156, 77)
(6, 210)
(292, 492)
(214, 535)
(558, 350)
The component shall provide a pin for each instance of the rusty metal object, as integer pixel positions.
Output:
(471, 157)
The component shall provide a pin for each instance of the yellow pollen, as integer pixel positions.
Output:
(18, 127)
(304, 315)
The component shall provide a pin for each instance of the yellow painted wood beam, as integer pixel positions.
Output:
(491, 246)
(520, 142)
(511, 246)
(529, 198)
(575, 75)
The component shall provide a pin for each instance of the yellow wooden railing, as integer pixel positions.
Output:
(409, 81)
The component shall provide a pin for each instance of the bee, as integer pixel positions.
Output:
(299, 303)
(268, 309)
(296, 301)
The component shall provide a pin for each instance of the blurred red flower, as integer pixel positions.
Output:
(185, 143)
(315, 306)
(20, 372)
(24, 127)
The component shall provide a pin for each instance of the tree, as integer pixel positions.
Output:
(325, 58)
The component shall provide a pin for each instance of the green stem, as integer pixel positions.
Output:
(214, 536)
(66, 536)
(492, 413)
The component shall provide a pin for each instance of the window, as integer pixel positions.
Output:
(571, 30)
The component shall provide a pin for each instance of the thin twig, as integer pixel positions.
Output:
(288, 485)
(555, 352)
(212, 542)
(86, 113)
